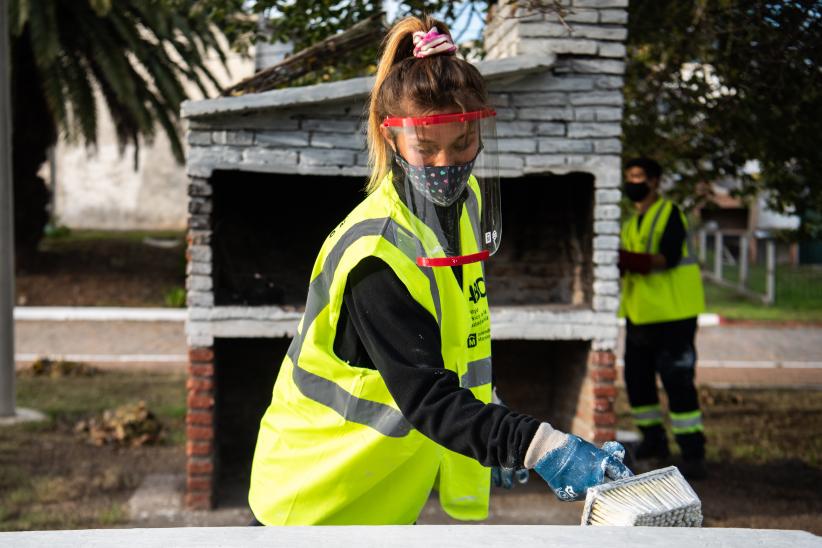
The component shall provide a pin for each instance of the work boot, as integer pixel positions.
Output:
(694, 470)
(654, 444)
(692, 447)
(652, 451)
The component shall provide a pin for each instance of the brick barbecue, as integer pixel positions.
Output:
(272, 173)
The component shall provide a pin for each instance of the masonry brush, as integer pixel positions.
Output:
(660, 498)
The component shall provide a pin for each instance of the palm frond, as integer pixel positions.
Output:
(137, 53)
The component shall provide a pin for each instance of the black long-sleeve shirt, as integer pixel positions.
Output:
(382, 327)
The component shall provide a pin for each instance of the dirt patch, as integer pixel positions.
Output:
(52, 479)
(102, 270)
(764, 456)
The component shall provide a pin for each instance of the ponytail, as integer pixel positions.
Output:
(404, 82)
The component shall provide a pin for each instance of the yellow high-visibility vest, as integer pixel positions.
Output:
(663, 295)
(333, 447)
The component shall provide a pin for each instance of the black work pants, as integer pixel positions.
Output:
(666, 349)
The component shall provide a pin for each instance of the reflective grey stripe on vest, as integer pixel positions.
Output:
(686, 423)
(691, 258)
(472, 204)
(478, 373)
(411, 246)
(651, 414)
(650, 243)
(382, 418)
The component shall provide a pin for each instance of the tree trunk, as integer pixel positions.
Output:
(33, 132)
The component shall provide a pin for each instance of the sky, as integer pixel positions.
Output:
(463, 30)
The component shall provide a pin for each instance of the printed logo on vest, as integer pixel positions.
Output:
(472, 340)
(477, 290)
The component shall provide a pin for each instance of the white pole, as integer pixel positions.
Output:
(7, 403)
(718, 255)
(770, 281)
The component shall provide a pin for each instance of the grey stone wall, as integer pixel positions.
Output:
(314, 140)
(564, 116)
(595, 29)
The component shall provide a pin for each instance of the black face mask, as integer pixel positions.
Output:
(636, 192)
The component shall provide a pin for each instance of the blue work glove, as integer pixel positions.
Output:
(576, 465)
(504, 477)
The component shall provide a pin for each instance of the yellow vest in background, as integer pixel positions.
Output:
(663, 295)
(333, 447)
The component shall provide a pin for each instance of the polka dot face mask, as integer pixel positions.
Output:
(441, 185)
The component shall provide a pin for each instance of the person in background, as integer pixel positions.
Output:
(385, 392)
(662, 297)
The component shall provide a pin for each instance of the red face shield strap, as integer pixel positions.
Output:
(459, 260)
(436, 119)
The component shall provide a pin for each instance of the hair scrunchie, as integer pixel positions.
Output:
(432, 43)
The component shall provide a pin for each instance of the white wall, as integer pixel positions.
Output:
(102, 190)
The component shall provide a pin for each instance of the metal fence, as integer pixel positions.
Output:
(759, 266)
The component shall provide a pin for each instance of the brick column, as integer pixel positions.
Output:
(602, 374)
(200, 454)
(595, 418)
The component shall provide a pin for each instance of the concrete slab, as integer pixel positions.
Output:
(99, 314)
(107, 338)
(415, 536)
(23, 415)
(158, 502)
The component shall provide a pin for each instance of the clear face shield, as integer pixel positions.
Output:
(446, 173)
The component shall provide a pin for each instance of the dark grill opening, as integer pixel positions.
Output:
(545, 257)
(245, 372)
(541, 378)
(268, 230)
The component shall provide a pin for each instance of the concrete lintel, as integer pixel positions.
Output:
(263, 313)
(524, 536)
(507, 322)
(545, 323)
(344, 90)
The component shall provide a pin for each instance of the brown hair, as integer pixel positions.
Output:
(408, 85)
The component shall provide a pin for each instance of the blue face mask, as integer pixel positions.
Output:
(441, 185)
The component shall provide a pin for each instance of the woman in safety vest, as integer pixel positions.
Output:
(385, 392)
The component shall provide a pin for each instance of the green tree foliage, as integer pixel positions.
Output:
(712, 84)
(303, 24)
(135, 54)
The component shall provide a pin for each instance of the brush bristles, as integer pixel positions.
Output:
(660, 498)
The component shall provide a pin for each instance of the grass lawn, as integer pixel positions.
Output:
(50, 478)
(764, 456)
(798, 294)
